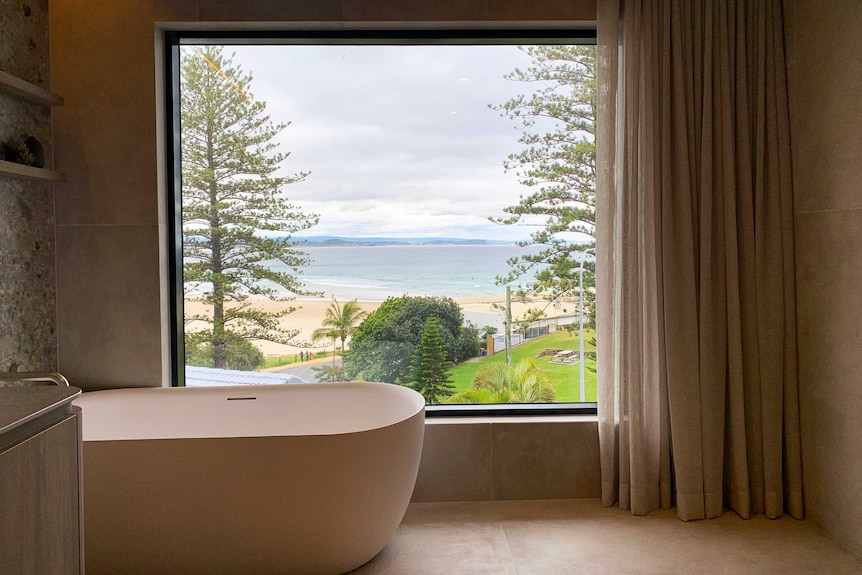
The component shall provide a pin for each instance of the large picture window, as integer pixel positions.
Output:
(415, 209)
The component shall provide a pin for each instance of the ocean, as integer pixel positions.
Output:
(373, 273)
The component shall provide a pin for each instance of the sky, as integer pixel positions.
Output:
(399, 140)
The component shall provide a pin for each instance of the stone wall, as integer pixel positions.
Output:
(28, 316)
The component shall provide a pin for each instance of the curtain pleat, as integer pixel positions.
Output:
(698, 397)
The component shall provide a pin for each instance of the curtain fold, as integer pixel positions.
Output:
(698, 397)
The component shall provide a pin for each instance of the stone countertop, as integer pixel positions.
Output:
(19, 405)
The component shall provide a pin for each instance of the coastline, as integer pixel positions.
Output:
(309, 313)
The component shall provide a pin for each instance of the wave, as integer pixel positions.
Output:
(373, 273)
(341, 283)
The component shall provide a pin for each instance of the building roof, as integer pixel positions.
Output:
(208, 377)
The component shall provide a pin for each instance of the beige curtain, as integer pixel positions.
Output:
(698, 403)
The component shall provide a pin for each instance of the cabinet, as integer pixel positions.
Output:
(40, 482)
(27, 92)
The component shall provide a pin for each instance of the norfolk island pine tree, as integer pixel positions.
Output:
(230, 193)
(429, 367)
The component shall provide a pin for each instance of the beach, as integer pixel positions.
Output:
(369, 274)
(310, 313)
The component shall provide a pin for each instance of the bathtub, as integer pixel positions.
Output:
(299, 478)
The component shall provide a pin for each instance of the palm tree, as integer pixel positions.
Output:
(338, 323)
(523, 382)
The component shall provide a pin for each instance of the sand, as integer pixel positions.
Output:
(310, 313)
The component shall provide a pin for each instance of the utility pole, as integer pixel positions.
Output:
(509, 326)
(581, 321)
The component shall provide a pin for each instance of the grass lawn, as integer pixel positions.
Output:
(565, 376)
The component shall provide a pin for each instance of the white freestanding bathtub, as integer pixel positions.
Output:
(299, 478)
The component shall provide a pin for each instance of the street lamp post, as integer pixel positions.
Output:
(581, 323)
(508, 326)
(581, 320)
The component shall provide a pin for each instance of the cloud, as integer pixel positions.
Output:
(399, 140)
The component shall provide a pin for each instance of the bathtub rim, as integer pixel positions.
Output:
(413, 405)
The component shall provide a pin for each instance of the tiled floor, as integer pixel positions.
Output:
(579, 536)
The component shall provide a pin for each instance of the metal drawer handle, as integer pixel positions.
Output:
(52, 376)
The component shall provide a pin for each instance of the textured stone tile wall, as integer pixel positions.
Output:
(28, 316)
(24, 40)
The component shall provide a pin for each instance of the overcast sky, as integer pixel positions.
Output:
(399, 140)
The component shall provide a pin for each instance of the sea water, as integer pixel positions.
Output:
(373, 273)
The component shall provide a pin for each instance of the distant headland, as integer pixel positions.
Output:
(337, 241)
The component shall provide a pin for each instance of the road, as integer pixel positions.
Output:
(305, 370)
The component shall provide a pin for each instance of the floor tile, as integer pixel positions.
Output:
(436, 547)
(561, 537)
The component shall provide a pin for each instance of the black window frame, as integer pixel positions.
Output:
(174, 39)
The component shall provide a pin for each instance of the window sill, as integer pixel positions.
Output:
(516, 410)
(450, 420)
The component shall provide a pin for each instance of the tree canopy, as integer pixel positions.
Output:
(235, 216)
(239, 353)
(383, 344)
(558, 165)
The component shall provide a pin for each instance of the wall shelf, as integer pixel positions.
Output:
(27, 92)
(29, 172)
(23, 90)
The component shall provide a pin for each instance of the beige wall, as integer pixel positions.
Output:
(825, 70)
(109, 221)
(486, 460)
(110, 302)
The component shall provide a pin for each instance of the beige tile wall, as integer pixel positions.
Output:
(103, 55)
(825, 72)
(109, 297)
(505, 459)
(110, 303)
(104, 272)
(103, 63)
